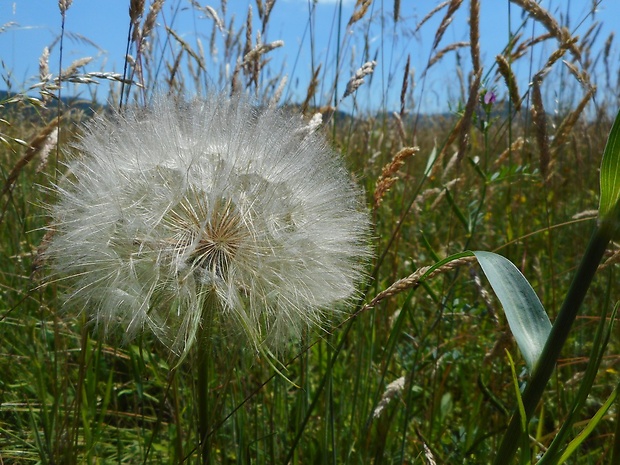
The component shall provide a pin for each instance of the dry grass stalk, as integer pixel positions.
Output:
(136, 10)
(358, 78)
(73, 67)
(513, 42)
(539, 117)
(259, 50)
(388, 178)
(414, 279)
(544, 17)
(509, 78)
(141, 34)
(555, 56)
(172, 70)
(429, 15)
(445, 22)
(426, 194)
(277, 95)
(186, 47)
(446, 146)
(64, 5)
(212, 44)
(151, 17)
(235, 87)
(522, 48)
(312, 86)
(259, 7)
(88, 78)
(6, 26)
(230, 39)
(391, 390)
(361, 6)
(567, 124)
(40, 256)
(516, 145)
(468, 114)
(36, 144)
(541, 15)
(440, 53)
(264, 12)
(400, 128)
(44, 65)
(403, 89)
(253, 63)
(428, 454)
(474, 34)
(45, 76)
(248, 32)
(210, 11)
(581, 76)
(396, 10)
(452, 162)
(443, 192)
(201, 50)
(585, 214)
(589, 37)
(486, 297)
(606, 52)
(613, 259)
(249, 68)
(50, 142)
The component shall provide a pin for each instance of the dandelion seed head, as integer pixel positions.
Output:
(171, 209)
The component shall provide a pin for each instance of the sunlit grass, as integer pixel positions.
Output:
(68, 395)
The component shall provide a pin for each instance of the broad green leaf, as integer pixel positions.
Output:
(610, 174)
(526, 316)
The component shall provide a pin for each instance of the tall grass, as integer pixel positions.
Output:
(418, 372)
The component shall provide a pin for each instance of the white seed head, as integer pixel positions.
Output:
(212, 203)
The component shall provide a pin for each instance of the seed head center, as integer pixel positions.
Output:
(220, 239)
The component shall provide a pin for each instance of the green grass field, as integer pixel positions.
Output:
(421, 374)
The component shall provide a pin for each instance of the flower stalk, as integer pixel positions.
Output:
(203, 362)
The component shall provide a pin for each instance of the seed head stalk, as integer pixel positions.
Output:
(203, 359)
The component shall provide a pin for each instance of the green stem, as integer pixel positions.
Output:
(559, 333)
(615, 449)
(204, 349)
(203, 407)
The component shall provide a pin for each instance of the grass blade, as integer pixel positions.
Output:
(610, 176)
(526, 316)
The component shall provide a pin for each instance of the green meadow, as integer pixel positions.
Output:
(421, 366)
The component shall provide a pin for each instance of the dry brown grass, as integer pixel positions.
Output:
(388, 174)
(414, 280)
(510, 79)
(33, 148)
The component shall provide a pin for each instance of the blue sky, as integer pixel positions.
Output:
(99, 29)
